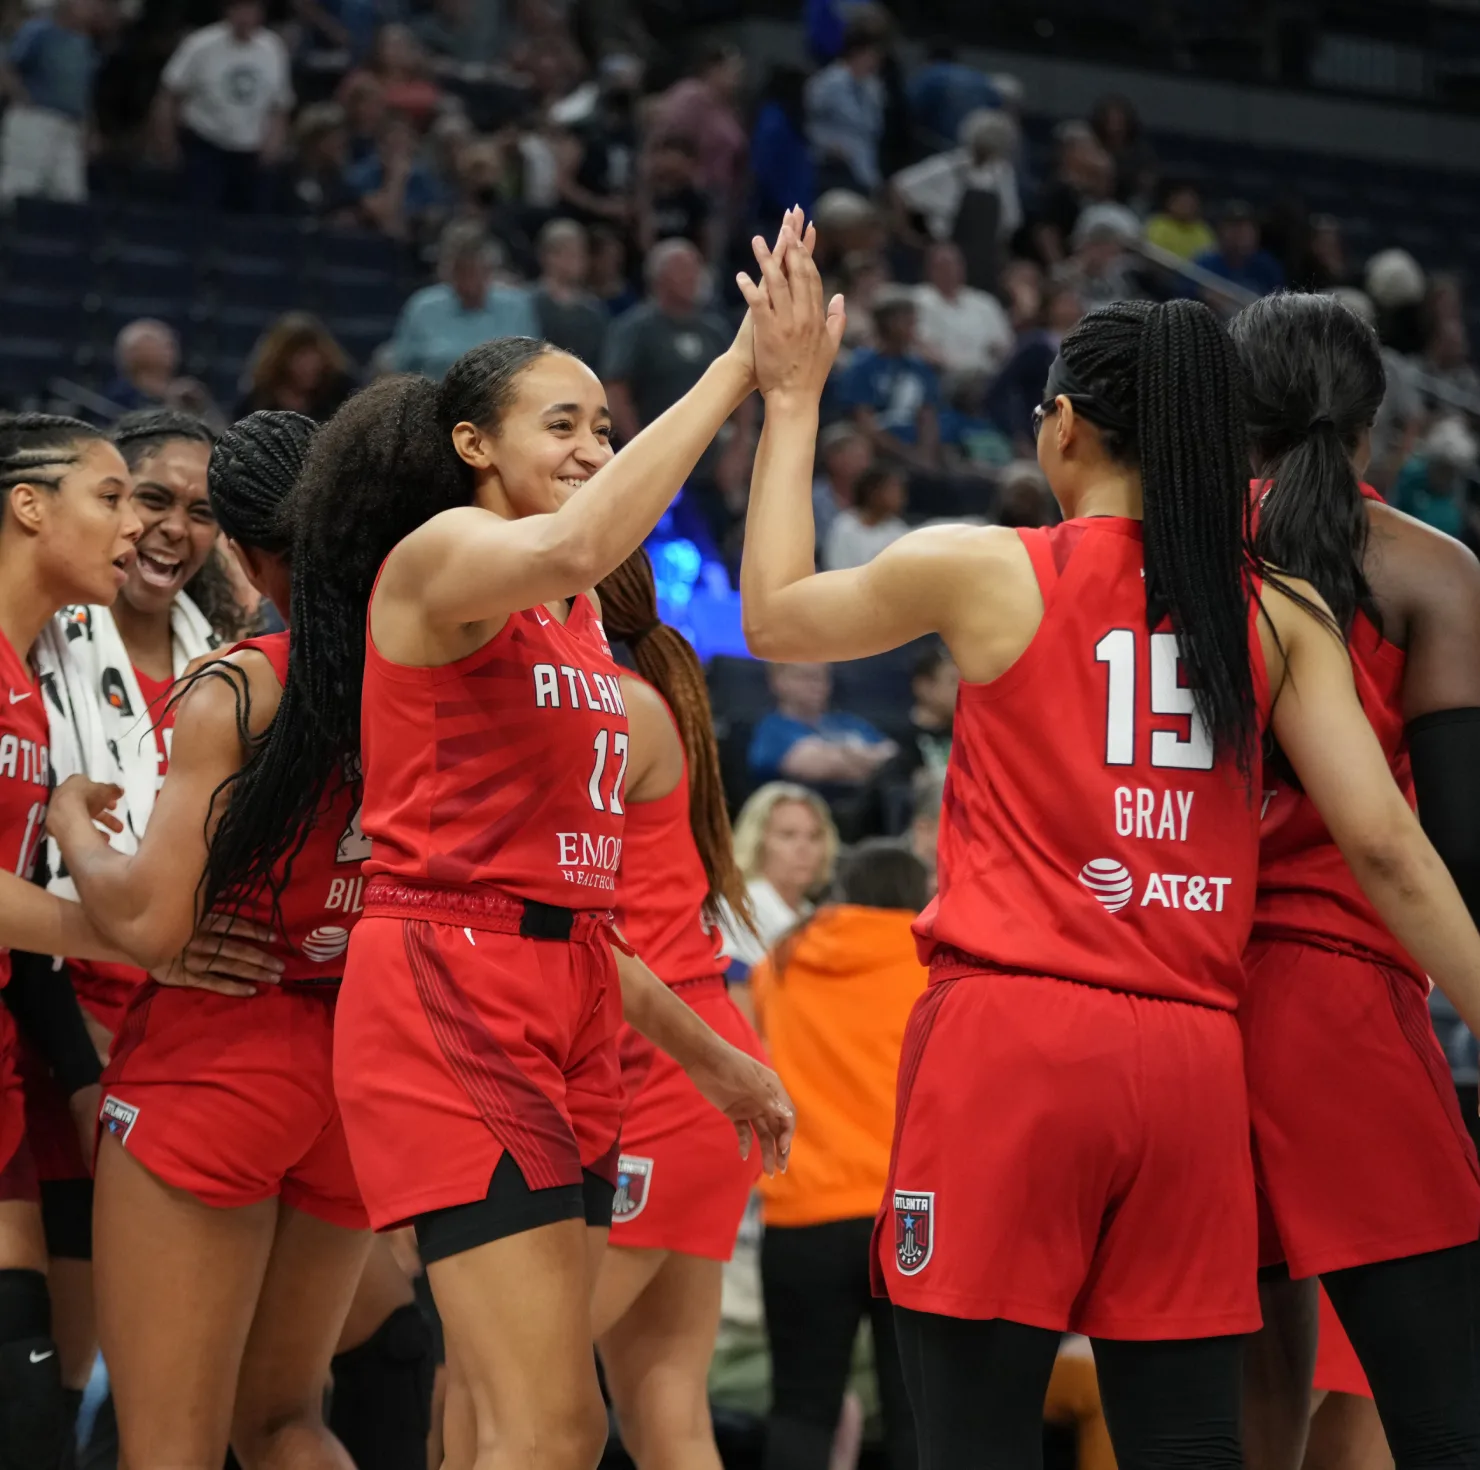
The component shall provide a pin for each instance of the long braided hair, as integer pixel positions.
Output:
(1169, 376)
(381, 467)
(1316, 381)
(30, 442)
(665, 658)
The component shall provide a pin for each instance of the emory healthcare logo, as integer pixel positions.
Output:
(914, 1229)
(634, 1175)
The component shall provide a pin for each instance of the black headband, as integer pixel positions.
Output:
(1063, 383)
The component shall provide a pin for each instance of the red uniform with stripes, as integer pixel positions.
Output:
(1097, 872)
(25, 788)
(490, 782)
(231, 1098)
(681, 1183)
(1360, 1150)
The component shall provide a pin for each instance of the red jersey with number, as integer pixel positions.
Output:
(1306, 890)
(25, 770)
(320, 888)
(160, 713)
(504, 767)
(662, 889)
(1090, 830)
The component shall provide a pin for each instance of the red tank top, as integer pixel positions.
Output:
(322, 899)
(1306, 890)
(161, 714)
(502, 768)
(660, 908)
(25, 770)
(1089, 831)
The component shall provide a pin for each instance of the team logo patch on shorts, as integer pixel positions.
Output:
(914, 1230)
(118, 1117)
(634, 1175)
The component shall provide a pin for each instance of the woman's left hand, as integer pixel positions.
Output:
(217, 959)
(752, 1098)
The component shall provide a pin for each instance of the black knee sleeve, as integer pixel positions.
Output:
(33, 1406)
(381, 1407)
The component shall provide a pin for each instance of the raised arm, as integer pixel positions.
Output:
(1320, 725)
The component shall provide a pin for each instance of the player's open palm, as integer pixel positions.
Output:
(751, 1096)
(796, 335)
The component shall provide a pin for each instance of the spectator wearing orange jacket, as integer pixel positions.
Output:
(833, 1001)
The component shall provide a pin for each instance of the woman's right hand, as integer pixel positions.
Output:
(751, 1096)
(80, 796)
(218, 960)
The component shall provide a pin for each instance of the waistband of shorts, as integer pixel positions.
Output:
(1348, 948)
(484, 907)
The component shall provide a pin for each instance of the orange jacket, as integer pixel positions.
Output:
(832, 1002)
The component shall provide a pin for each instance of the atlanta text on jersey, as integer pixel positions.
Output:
(600, 692)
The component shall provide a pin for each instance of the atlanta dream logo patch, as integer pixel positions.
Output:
(118, 1117)
(634, 1177)
(914, 1230)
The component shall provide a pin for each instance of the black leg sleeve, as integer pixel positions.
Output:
(41, 999)
(380, 1408)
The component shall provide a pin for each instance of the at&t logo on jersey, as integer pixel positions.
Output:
(1113, 885)
(1109, 881)
(327, 942)
(914, 1230)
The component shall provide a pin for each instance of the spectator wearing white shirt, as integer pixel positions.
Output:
(223, 105)
(935, 188)
(859, 532)
(962, 331)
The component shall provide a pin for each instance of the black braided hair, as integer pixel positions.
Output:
(1171, 371)
(1315, 383)
(34, 442)
(381, 467)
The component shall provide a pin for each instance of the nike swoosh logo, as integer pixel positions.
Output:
(41, 1357)
(16, 698)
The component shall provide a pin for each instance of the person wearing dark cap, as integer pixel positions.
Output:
(1239, 257)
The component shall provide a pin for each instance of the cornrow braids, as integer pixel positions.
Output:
(254, 466)
(665, 658)
(138, 435)
(381, 467)
(1170, 370)
(31, 442)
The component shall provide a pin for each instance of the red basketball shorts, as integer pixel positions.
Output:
(232, 1098)
(50, 1127)
(455, 1044)
(1072, 1158)
(17, 1165)
(1338, 1369)
(1359, 1147)
(681, 1183)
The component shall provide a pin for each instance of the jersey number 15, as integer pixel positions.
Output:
(1169, 696)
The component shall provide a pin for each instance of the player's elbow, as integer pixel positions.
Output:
(767, 636)
(1392, 857)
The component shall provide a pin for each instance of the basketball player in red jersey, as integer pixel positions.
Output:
(681, 1186)
(443, 536)
(1071, 1147)
(1368, 1177)
(66, 533)
(231, 1234)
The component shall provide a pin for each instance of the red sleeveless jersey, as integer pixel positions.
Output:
(663, 887)
(504, 767)
(1090, 832)
(1306, 890)
(25, 770)
(322, 897)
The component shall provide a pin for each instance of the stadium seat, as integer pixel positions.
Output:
(259, 283)
(59, 265)
(26, 365)
(51, 219)
(347, 293)
(362, 336)
(30, 313)
(360, 250)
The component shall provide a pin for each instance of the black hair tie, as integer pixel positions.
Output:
(642, 633)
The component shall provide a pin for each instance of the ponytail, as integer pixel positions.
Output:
(1316, 380)
(1164, 385)
(664, 657)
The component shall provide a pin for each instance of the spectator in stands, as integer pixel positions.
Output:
(862, 275)
(146, 356)
(1084, 174)
(845, 115)
(929, 790)
(47, 76)
(843, 454)
(1021, 289)
(1239, 257)
(934, 681)
(832, 1002)
(320, 160)
(893, 394)
(781, 167)
(1018, 390)
(298, 366)
(936, 188)
(393, 189)
(1322, 262)
(1178, 225)
(961, 331)
(860, 531)
(1117, 126)
(1023, 496)
(943, 93)
(785, 845)
(439, 323)
(596, 185)
(1101, 269)
(659, 349)
(609, 276)
(803, 740)
(846, 222)
(405, 73)
(672, 205)
(1435, 484)
(362, 97)
(223, 106)
(569, 316)
(342, 25)
(702, 108)
(1446, 361)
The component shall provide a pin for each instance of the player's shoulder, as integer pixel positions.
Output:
(1411, 559)
(222, 692)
